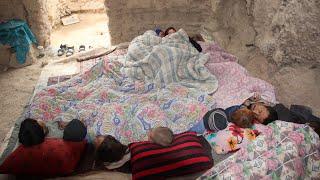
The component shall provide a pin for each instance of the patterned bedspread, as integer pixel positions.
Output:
(282, 151)
(111, 103)
(235, 83)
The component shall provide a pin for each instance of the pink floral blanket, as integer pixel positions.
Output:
(235, 84)
(282, 151)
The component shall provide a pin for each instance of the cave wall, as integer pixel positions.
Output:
(11, 9)
(127, 19)
(285, 31)
(35, 14)
(288, 31)
(276, 40)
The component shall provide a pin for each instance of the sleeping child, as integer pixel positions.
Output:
(161, 135)
(115, 155)
(227, 133)
(267, 113)
(233, 137)
(218, 119)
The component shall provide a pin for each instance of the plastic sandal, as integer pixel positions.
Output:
(82, 48)
(70, 51)
(62, 50)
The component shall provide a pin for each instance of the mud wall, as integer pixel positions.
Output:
(35, 14)
(10, 9)
(276, 40)
(128, 19)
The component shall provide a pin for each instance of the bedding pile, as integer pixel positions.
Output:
(282, 151)
(235, 83)
(111, 101)
(114, 98)
(170, 59)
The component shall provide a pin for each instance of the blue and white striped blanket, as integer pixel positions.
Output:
(171, 59)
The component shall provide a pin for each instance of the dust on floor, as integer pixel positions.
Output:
(91, 31)
(16, 85)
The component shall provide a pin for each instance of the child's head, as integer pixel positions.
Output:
(170, 30)
(243, 118)
(315, 126)
(264, 114)
(108, 149)
(75, 131)
(161, 135)
(32, 132)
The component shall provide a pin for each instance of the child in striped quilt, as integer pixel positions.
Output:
(115, 155)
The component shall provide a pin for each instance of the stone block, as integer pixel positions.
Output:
(138, 4)
(138, 19)
(168, 16)
(115, 4)
(178, 3)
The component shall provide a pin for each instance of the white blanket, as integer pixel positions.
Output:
(166, 60)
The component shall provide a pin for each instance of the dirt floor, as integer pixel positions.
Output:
(16, 88)
(91, 31)
(17, 85)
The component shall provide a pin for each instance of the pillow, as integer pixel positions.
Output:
(186, 155)
(230, 139)
(52, 157)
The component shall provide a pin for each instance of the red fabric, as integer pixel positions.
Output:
(52, 157)
(171, 166)
(186, 155)
(165, 150)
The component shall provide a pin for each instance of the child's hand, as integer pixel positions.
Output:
(62, 125)
(256, 97)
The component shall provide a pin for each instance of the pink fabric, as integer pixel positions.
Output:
(235, 84)
(230, 139)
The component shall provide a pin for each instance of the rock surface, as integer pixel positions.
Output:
(276, 40)
(127, 19)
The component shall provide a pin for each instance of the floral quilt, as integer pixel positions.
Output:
(282, 151)
(110, 103)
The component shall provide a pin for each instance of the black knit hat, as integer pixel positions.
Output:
(75, 131)
(215, 120)
(30, 133)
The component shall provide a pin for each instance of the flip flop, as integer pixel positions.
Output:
(70, 51)
(62, 49)
(60, 52)
(82, 48)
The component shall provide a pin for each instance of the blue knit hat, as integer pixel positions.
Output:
(158, 30)
(215, 120)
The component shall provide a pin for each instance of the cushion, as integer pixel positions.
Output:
(230, 139)
(52, 157)
(186, 155)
